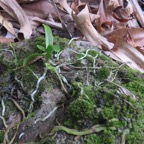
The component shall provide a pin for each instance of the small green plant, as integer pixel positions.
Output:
(47, 51)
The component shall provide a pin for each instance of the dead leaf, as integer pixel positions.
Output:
(6, 40)
(84, 24)
(14, 9)
(106, 19)
(134, 36)
(128, 54)
(8, 25)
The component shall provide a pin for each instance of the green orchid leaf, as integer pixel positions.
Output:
(49, 55)
(31, 58)
(52, 48)
(49, 49)
(56, 48)
(41, 48)
(48, 35)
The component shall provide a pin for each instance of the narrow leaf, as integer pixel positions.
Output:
(56, 48)
(41, 48)
(31, 57)
(49, 56)
(48, 35)
(50, 49)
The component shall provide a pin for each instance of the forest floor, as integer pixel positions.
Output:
(84, 98)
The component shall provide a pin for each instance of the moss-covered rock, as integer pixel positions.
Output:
(103, 92)
(101, 102)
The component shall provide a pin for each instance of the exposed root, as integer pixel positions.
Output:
(19, 108)
(13, 138)
(36, 89)
(46, 117)
(94, 129)
(49, 66)
(6, 135)
(4, 122)
(3, 107)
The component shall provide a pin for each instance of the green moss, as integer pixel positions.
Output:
(62, 42)
(1, 136)
(101, 104)
(106, 137)
(102, 73)
(93, 53)
(97, 103)
(136, 87)
(79, 110)
(105, 58)
(27, 78)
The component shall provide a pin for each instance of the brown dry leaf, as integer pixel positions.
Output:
(6, 40)
(122, 10)
(141, 49)
(65, 5)
(134, 36)
(106, 19)
(138, 12)
(26, 1)
(8, 25)
(14, 9)
(84, 24)
(128, 54)
(40, 9)
(76, 4)
(113, 4)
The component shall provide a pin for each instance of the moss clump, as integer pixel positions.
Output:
(101, 103)
(1, 136)
(107, 137)
(62, 42)
(102, 73)
(136, 87)
(82, 107)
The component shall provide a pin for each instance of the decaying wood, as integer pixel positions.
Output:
(84, 24)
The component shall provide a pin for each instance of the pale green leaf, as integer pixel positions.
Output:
(48, 35)
(41, 48)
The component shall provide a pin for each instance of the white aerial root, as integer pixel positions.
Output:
(21, 135)
(36, 89)
(37, 85)
(4, 122)
(94, 63)
(3, 107)
(46, 117)
(3, 112)
(75, 38)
